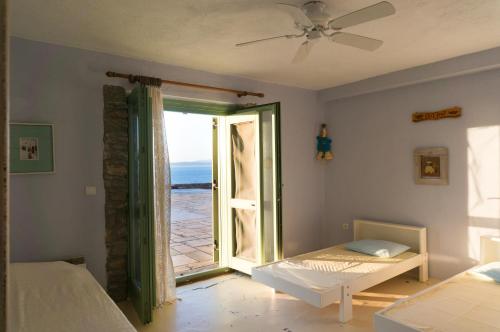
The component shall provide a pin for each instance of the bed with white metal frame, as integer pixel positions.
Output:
(347, 273)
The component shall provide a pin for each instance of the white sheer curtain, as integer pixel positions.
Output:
(164, 269)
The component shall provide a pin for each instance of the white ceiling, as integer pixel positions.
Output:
(201, 34)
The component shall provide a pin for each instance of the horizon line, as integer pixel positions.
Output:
(191, 161)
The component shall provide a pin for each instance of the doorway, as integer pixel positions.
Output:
(226, 186)
(189, 138)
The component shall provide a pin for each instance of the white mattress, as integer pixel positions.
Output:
(59, 296)
(464, 303)
(326, 269)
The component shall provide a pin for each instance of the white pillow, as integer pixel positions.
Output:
(379, 248)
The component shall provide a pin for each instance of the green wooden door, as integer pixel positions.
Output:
(140, 279)
(270, 180)
(269, 205)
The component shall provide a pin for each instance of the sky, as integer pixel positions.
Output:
(189, 137)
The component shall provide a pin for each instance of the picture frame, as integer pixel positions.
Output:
(32, 148)
(431, 166)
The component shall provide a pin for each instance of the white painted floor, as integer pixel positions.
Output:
(233, 302)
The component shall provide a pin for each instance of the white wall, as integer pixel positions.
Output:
(52, 218)
(372, 173)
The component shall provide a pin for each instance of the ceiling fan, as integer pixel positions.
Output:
(312, 19)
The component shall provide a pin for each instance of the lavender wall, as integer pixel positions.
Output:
(370, 177)
(51, 216)
(372, 173)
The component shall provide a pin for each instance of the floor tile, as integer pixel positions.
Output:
(182, 260)
(200, 256)
(183, 248)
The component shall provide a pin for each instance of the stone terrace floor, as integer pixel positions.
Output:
(191, 238)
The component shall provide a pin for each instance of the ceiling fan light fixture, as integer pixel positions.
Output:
(314, 34)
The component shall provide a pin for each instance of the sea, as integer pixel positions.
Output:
(191, 172)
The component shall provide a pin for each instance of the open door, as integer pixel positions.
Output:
(253, 187)
(140, 263)
(244, 201)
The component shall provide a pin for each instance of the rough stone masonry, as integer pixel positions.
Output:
(115, 173)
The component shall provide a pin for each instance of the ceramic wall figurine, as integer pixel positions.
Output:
(324, 145)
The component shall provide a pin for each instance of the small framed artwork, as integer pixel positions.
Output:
(431, 166)
(31, 148)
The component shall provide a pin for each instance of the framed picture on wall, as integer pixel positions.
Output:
(32, 148)
(431, 166)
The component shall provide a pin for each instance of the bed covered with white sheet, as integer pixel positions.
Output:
(58, 296)
(465, 302)
(327, 269)
(333, 274)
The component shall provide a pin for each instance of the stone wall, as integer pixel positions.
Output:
(115, 172)
(4, 176)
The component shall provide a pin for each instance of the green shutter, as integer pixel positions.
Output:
(141, 241)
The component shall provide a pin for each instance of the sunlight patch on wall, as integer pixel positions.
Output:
(483, 185)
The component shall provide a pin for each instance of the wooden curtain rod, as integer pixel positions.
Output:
(158, 81)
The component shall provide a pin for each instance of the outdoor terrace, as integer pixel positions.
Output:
(191, 238)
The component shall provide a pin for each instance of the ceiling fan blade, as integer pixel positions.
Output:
(266, 39)
(376, 11)
(297, 14)
(349, 39)
(303, 51)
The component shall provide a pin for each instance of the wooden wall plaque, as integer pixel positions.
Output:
(453, 112)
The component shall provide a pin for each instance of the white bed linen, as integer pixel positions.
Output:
(58, 296)
(464, 303)
(331, 267)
